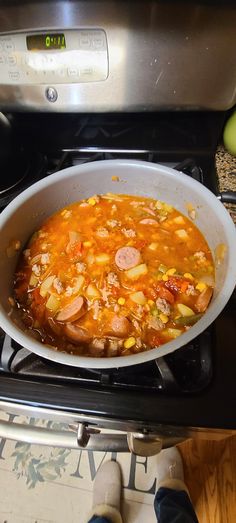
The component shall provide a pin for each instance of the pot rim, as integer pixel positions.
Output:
(212, 312)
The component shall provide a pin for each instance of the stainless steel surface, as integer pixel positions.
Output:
(162, 55)
(95, 422)
(56, 438)
(84, 431)
(144, 445)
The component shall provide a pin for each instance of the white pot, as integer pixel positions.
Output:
(25, 213)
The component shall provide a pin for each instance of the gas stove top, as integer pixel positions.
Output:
(194, 386)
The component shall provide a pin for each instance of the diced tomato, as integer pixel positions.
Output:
(161, 291)
(166, 295)
(184, 286)
(140, 244)
(38, 305)
(154, 340)
(76, 251)
(38, 299)
(115, 291)
(177, 284)
(21, 290)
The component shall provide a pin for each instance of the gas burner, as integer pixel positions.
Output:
(20, 172)
(13, 171)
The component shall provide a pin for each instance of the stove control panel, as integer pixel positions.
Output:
(57, 57)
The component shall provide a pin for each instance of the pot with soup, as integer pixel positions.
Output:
(113, 275)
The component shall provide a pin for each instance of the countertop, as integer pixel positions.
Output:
(226, 171)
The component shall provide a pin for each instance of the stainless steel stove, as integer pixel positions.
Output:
(188, 392)
(83, 81)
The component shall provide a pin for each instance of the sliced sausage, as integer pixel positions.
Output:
(76, 333)
(113, 346)
(118, 326)
(73, 311)
(204, 299)
(97, 347)
(148, 221)
(127, 257)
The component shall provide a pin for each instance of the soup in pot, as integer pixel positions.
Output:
(113, 275)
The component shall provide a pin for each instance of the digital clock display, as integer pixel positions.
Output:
(46, 41)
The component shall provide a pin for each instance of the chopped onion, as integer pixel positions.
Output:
(138, 297)
(74, 236)
(90, 259)
(78, 284)
(179, 220)
(136, 272)
(46, 286)
(35, 259)
(181, 233)
(33, 280)
(207, 279)
(92, 291)
(102, 259)
(184, 310)
(173, 333)
(53, 303)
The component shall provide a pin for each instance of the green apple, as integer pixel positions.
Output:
(229, 134)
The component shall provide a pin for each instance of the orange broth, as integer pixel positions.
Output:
(113, 275)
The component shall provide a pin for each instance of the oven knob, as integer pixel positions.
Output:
(51, 94)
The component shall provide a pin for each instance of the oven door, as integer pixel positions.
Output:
(97, 433)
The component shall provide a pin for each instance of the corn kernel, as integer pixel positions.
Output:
(151, 303)
(163, 318)
(171, 271)
(200, 286)
(153, 246)
(154, 313)
(165, 277)
(121, 301)
(188, 275)
(92, 201)
(87, 244)
(167, 207)
(130, 342)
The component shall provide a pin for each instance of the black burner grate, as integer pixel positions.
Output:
(188, 370)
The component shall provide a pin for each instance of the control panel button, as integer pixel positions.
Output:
(87, 71)
(51, 94)
(97, 42)
(14, 75)
(11, 59)
(85, 42)
(8, 46)
(72, 71)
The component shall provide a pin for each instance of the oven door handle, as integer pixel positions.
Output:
(86, 438)
(62, 438)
